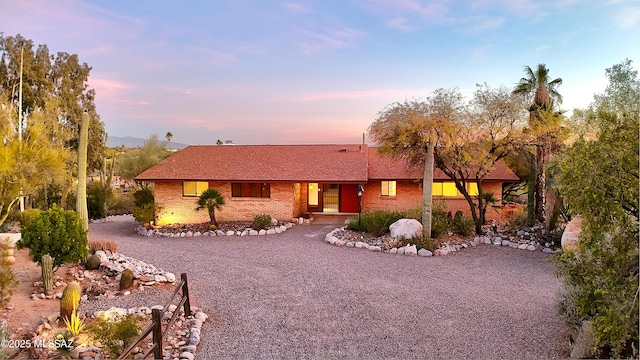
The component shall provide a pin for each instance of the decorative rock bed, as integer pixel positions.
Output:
(184, 335)
(181, 343)
(523, 241)
(245, 231)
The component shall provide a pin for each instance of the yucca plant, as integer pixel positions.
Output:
(74, 323)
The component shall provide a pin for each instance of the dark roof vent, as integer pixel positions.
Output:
(343, 150)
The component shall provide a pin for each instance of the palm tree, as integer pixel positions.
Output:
(212, 200)
(542, 91)
(169, 136)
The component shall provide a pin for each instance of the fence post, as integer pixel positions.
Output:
(156, 318)
(185, 293)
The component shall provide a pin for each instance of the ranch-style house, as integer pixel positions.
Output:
(288, 181)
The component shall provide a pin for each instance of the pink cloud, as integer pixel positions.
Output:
(357, 94)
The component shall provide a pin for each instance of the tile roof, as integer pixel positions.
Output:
(382, 167)
(305, 163)
(263, 163)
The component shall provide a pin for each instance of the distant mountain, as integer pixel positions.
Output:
(133, 142)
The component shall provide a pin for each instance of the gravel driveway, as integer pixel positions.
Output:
(293, 296)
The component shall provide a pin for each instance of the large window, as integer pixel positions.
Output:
(448, 188)
(260, 190)
(194, 188)
(388, 188)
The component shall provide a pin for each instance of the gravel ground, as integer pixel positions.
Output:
(293, 296)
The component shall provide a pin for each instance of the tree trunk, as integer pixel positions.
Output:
(531, 193)
(427, 191)
(81, 200)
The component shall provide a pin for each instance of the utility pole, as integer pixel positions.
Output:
(21, 202)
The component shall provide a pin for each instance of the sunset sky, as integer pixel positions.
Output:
(295, 72)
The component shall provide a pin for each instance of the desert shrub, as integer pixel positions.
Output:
(119, 205)
(603, 280)
(26, 217)
(375, 222)
(461, 225)
(424, 243)
(103, 245)
(414, 213)
(261, 221)
(96, 198)
(143, 197)
(517, 219)
(8, 280)
(59, 233)
(115, 334)
(145, 213)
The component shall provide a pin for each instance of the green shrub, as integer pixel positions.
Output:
(424, 243)
(146, 213)
(603, 281)
(27, 216)
(461, 225)
(96, 198)
(143, 197)
(262, 221)
(517, 219)
(115, 334)
(56, 232)
(375, 222)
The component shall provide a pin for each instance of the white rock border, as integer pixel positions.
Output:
(142, 231)
(445, 249)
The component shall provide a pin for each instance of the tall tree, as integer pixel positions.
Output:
(411, 131)
(61, 77)
(168, 136)
(29, 165)
(538, 88)
(136, 161)
(598, 176)
(488, 130)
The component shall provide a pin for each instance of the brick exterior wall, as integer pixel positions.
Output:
(290, 200)
(409, 195)
(181, 209)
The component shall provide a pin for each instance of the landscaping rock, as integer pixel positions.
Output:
(405, 229)
(425, 252)
(411, 250)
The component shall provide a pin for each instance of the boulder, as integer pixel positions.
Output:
(411, 250)
(425, 252)
(406, 229)
(570, 235)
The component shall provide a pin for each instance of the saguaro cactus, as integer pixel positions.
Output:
(81, 192)
(46, 265)
(70, 301)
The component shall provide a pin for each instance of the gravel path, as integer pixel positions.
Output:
(293, 296)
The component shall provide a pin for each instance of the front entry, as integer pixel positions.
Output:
(332, 198)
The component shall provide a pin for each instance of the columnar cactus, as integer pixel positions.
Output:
(46, 265)
(70, 301)
(126, 280)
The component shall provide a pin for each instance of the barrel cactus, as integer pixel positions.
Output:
(93, 262)
(126, 280)
(70, 301)
(46, 265)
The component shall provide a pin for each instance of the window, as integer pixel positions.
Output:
(388, 188)
(194, 188)
(472, 188)
(260, 190)
(448, 188)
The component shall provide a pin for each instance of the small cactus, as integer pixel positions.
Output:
(126, 280)
(46, 265)
(70, 301)
(93, 262)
